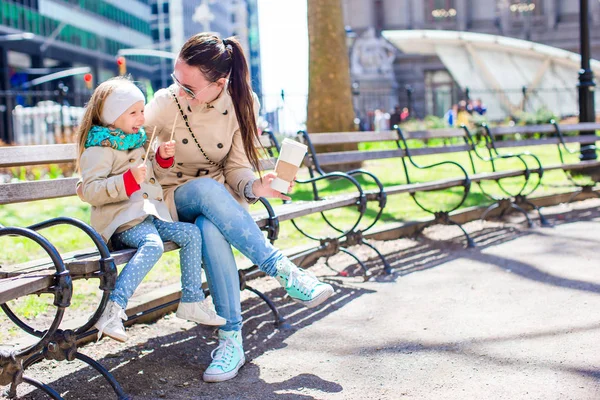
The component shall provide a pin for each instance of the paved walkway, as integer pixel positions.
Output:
(516, 318)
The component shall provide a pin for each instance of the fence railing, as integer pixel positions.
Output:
(40, 117)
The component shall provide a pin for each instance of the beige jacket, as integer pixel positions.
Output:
(216, 129)
(102, 186)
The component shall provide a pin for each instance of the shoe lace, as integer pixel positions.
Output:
(304, 281)
(113, 314)
(223, 354)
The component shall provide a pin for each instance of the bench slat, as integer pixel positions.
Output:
(37, 190)
(13, 156)
(12, 288)
(434, 133)
(351, 137)
(513, 130)
(585, 139)
(341, 157)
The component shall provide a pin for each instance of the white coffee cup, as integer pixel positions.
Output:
(290, 157)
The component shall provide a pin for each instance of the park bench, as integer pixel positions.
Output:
(583, 174)
(401, 145)
(55, 273)
(339, 237)
(504, 198)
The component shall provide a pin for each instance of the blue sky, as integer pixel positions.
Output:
(284, 54)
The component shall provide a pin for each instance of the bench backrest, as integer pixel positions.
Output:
(547, 129)
(12, 156)
(397, 137)
(24, 191)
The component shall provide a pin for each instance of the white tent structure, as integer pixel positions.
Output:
(495, 68)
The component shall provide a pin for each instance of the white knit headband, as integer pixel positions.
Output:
(119, 100)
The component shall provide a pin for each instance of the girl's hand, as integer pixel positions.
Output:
(167, 150)
(139, 173)
(262, 187)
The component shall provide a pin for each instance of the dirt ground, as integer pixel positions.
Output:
(514, 318)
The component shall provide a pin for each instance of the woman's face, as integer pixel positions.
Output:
(193, 86)
(132, 119)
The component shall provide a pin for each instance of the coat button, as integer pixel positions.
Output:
(179, 174)
(131, 160)
(184, 141)
(152, 180)
(220, 145)
(145, 195)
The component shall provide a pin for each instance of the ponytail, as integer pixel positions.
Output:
(218, 59)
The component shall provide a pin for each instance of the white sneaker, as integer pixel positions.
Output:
(111, 322)
(228, 357)
(202, 312)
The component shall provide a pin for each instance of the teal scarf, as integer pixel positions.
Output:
(117, 139)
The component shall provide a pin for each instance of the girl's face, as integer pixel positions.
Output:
(193, 86)
(131, 120)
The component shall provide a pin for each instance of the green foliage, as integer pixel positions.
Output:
(541, 116)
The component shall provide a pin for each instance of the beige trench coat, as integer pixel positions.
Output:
(102, 186)
(216, 129)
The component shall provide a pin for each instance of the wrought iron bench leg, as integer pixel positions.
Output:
(280, 321)
(489, 209)
(524, 212)
(121, 395)
(366, 273)
(386, 266)
(470, 241)
(543, 220)
(43, 387)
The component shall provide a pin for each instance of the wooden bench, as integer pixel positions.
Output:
(400, 147)
(55, 275)
(339, 237)
(554, 134)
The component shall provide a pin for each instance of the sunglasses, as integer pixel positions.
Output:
(189, 92)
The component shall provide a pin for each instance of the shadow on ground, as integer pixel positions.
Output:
(171, 366)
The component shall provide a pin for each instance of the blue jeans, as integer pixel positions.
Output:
(223, 222)
(148, 238)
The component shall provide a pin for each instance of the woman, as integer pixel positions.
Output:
(213, 111)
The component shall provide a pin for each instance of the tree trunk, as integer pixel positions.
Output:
(330, 106)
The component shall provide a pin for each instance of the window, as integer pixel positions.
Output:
(521, 8)
(440, 10)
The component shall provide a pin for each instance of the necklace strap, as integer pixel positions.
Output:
(187, 124)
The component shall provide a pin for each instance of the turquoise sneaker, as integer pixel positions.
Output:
(302, 286)
(228, 357)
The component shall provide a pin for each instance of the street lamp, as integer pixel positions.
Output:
(587, 86)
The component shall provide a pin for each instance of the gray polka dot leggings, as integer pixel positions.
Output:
(148, 238)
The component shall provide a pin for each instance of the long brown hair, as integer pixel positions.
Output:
(217, 59)
(93, 111)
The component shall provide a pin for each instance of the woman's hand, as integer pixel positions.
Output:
(262, 187)
(167, 150)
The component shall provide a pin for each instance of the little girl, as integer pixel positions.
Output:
(127, 203)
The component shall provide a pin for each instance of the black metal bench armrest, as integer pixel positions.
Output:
(467, 182)
(273, 226)
(563, 144)
(108, 269)
(381, 196)
(361, 203)
(62, 290)
(495, 155)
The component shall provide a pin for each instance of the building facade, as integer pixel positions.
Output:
(424, 84)
(40, 37)
(174, 21)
